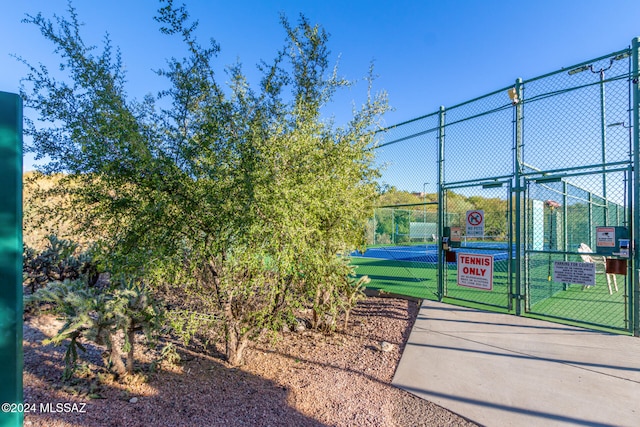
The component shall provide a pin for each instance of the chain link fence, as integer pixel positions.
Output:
(546, 162)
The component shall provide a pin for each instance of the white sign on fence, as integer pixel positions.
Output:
(581, 273)
(606, 237)
(475, 223)
(475, 271)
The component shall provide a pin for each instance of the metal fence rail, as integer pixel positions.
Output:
(545, 161)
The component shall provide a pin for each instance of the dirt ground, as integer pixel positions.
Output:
(303, 378)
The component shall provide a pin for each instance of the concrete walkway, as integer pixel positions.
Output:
(503, 370)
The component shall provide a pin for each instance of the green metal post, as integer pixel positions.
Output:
(603, 137)
(424, 219)
(10, 257)
(635, 225)
(393, 226)
(519, 291)
(510, 265)
(374, 226)
(565, 215)
(590, 220)
(441, 208)
(628, 221)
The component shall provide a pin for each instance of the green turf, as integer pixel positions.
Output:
(414, 279)
(592, 307)
(498, 296)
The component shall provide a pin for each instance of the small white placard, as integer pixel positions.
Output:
(606, 237)
(581, 273)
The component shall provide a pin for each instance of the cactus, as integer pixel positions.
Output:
(60, 260)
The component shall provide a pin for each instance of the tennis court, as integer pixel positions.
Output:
(427, 253)
(578, 188)
(412, 270)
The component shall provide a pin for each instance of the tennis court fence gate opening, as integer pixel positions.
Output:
(550, 167)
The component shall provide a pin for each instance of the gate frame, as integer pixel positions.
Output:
(635, 224)
(539, 177)
(518, 291)
(494, 182)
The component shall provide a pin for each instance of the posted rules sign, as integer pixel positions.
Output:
(581, 273)
(475, 223)
(475, 271)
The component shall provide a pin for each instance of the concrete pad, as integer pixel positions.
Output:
(504, 370)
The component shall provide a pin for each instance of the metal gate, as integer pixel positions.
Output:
(560, 226)
(573, 164)
(552, 164)
(494, 240)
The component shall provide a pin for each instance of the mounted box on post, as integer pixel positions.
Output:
(454, 236)
(10, 257)
(612, 241)
(450, 239)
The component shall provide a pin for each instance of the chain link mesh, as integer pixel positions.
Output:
(493, 204)
(568, 116)
(409, 172)
(552, 154)
(479, 139)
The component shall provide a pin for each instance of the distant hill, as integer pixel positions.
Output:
(37, 210)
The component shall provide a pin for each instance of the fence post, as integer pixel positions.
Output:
(565, 234)
(10, 256)
(635, 294)
(441, 212)
(603, 139)
(518, 188)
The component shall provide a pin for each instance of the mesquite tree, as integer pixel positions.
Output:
(242, 202)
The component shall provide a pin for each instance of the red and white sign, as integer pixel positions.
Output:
(606, 237)
(475, 223)
(455, 234)
(475, 271)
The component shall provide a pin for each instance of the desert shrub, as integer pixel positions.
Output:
(233, 196)
(333, 289)
(105, 316)
(60, 260)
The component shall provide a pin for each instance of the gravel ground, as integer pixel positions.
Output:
(302, 379)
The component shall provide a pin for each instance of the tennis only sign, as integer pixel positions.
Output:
(475, 271)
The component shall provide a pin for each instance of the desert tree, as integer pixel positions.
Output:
(240, 202)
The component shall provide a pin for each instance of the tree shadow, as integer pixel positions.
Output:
(202, 390)
(372, 308)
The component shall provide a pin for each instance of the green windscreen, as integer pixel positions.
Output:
(10, 259)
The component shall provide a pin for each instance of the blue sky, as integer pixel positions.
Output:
(426, 53)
